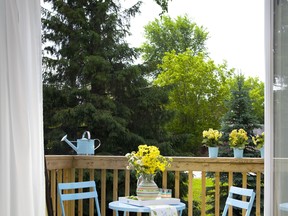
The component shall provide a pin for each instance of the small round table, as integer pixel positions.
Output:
(120, 206)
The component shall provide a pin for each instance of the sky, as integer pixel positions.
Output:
(236, 29)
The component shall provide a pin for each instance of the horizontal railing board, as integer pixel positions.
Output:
(225, 164)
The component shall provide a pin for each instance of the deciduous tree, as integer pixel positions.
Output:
(166, 34)
(196, 96)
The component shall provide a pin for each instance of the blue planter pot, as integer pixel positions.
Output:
(213, 152)
(238, 153)
(262, 152)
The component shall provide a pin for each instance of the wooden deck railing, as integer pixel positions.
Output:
(78, 168)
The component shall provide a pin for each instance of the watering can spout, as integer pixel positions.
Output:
(69, 143)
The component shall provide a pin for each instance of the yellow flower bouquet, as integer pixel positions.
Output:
(211, 138)
(258, 140)
(147, 160)
(238, 138)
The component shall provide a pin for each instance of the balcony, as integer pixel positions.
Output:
(71, 168)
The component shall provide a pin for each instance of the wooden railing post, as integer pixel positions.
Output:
(203, 194)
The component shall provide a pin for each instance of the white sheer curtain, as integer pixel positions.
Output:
(22, 179)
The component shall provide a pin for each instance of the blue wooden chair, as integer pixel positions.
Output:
(232, 201)
(76, 194)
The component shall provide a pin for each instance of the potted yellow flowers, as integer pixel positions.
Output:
(211, 139)
(146, 162)
(238, 139)
(258, 141)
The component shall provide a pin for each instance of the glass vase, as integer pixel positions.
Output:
(147, 189)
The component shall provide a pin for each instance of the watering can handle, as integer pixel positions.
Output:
(88, 135)
(98, 144)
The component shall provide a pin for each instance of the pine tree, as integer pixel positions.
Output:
(240, 111)
(90, 82)
(240, 115)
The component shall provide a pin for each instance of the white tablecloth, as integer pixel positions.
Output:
(163, 210)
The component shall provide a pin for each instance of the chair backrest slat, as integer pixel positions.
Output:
(231, 201)
(237, 203)
(76, 185)
(241, 191)
(76, 194)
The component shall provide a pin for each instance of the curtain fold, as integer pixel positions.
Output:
(22, 182)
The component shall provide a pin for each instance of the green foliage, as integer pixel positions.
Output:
(196, 96)
(163, 4)
(165, 34)
(256, 94)
(90, 82)
(240, 111)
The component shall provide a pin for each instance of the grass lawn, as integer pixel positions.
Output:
(197, 190)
